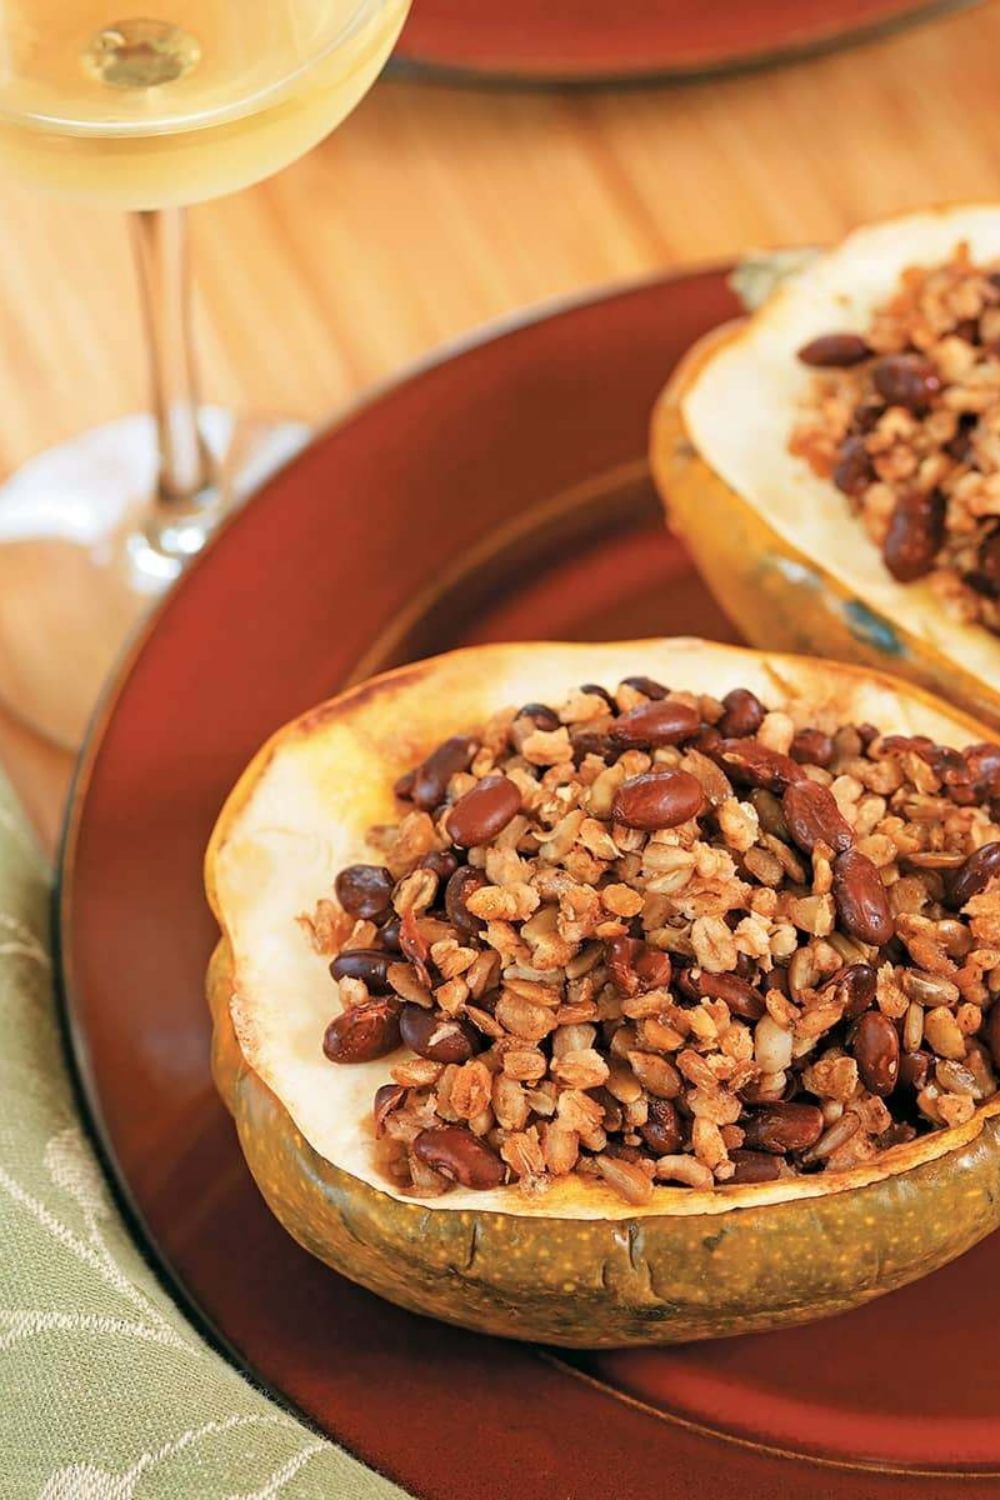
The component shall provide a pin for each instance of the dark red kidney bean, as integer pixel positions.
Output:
(753, 764)
(906, 380)
(835, 351)
(980, 778)
(588, 742)
(813, 817)
(620, 1152)
(460, 887)
(403, 787)
(743, 1000)
(652, 689)
(621, 953)
(441, 862)
(614, 1116)
(861, 899)
(387, 1099)
(364, 890)
(599, 692)
(654, 724)
(746, 967)
(988, 560)
(974, 876)
(915, 535)
(753, 1166)
(483, 812)
(369, 964)
(744, 714)
(916, 1070)
(430, 783)
(752, 1093)
(853, 471)
(662, 1131)
(922, 745)
(438, 1038)
(866, 416)
(540, 715)
(634, 966)
(363, 1032)
(950, 765)
(707, 740)
(783, 1127)
(653, 967)
(777, 979)
(460, 1156)
(658, 799)
(866, 733)
(983, 762)
(874, 1042)
(389, 932)
(899, 1134)
(811, 747)
(853, 986)
(686, 980)
(993, 1033)
(981, 584)
(960, 446)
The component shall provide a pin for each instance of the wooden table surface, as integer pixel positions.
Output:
(435, 209)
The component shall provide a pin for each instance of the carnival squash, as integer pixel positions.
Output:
(775, 542)
(577, 1266)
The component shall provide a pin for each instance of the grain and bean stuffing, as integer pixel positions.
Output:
(904, 418)
(655, 938)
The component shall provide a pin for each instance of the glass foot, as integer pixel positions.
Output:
(77, 569)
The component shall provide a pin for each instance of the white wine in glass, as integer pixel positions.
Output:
(190, 100)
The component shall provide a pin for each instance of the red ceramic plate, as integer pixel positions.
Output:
(583, 41)
(500, 493)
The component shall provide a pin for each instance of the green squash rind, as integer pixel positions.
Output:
(594, 1283)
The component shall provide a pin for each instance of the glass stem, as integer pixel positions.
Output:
(186, 484)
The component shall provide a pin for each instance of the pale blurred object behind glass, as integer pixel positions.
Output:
(148, 115)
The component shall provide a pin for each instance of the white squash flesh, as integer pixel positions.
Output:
(303, 809)
(740, 409)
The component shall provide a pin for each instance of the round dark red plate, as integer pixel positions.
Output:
(587, 41)
(499, 493)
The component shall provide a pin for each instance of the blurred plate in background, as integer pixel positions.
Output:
(587, 41)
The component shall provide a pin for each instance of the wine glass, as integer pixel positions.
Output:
(197, 99)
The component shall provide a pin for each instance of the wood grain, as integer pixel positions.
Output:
(434, 210)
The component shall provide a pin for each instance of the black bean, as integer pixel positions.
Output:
(600, 692)
(369, 964)
(744, 714)
(364, 891)
(652, 690)
(540, 715)
(363, 1032)
(907, 380)
(430, 785)
(438, 1037)
(853, 472)
(835, 351)
(460, 887)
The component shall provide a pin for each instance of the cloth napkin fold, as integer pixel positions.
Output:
(106, 1391)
